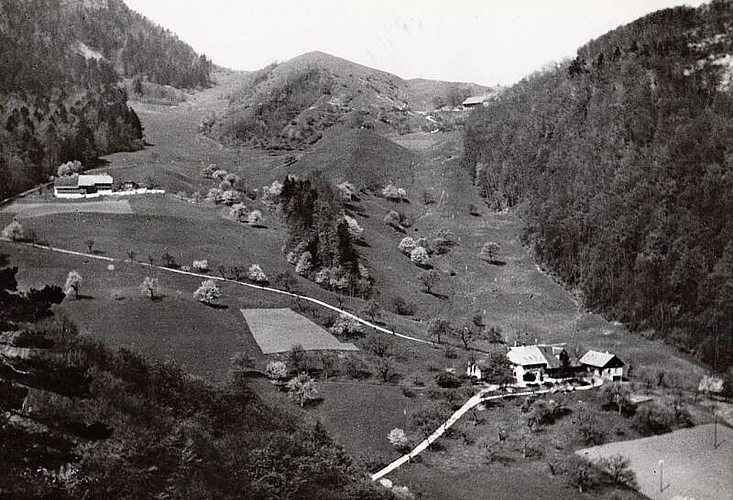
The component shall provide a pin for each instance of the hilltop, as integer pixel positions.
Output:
(623, 161)
(60, 93)
(294, 104)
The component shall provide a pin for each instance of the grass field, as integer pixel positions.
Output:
(24, 210)
(176, 327)
(279, 330)
(692, 467)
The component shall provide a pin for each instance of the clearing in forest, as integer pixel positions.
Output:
(279, 330)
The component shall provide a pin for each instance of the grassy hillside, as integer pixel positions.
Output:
(623, 162)
(361, 157)
(59, 93)
(292, 105)
(80, 420)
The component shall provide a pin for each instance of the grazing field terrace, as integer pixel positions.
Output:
(40, 209)
(279, 330)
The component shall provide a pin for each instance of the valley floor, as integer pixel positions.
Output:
(514, 294)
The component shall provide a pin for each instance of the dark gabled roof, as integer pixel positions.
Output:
(552, 361)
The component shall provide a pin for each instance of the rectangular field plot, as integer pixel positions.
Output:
(58, 207)
(692, 467)
(278, 330)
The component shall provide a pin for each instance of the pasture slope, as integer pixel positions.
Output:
(513, 295)
(280, 330)
(692, 468)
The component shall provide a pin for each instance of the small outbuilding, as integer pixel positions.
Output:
(604, 365)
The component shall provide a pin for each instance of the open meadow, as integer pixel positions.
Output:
(280, 330)
(692, 467)
(40, 209)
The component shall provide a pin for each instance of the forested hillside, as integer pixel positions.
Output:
(291, 105)
(78, 420)
(623, 162)
(60, 97)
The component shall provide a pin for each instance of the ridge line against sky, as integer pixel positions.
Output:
(488, 42)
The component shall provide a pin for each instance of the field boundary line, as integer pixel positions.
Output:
(228, 280)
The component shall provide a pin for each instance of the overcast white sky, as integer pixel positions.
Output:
(485, 41)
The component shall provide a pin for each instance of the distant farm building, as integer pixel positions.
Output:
(603, 365)
(478, 100)
(82, 186)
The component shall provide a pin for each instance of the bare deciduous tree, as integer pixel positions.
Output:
(73, 283)
(428, 279)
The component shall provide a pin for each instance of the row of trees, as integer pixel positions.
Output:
(624, 157)
(468, 331)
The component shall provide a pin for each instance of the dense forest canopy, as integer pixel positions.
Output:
(317, 227)
(622, 160)
(60, 97)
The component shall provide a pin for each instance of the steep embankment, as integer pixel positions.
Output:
(59, 89)
(293, 104)
(625, 159)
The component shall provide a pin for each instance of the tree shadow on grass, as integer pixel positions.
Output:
(99, 252)
(362, 243)
(493, 262)
(82, 296)
(394, 378)
(216, 306)
(437, 295)
(97, 163)
(313, 403)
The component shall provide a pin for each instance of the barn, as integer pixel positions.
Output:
(82, 186)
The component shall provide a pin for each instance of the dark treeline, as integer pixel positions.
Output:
(60, 97)
(316, 223)
(623, 162)
(89, 422)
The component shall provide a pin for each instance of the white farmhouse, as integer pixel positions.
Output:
(532, 363)
(603, 365)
